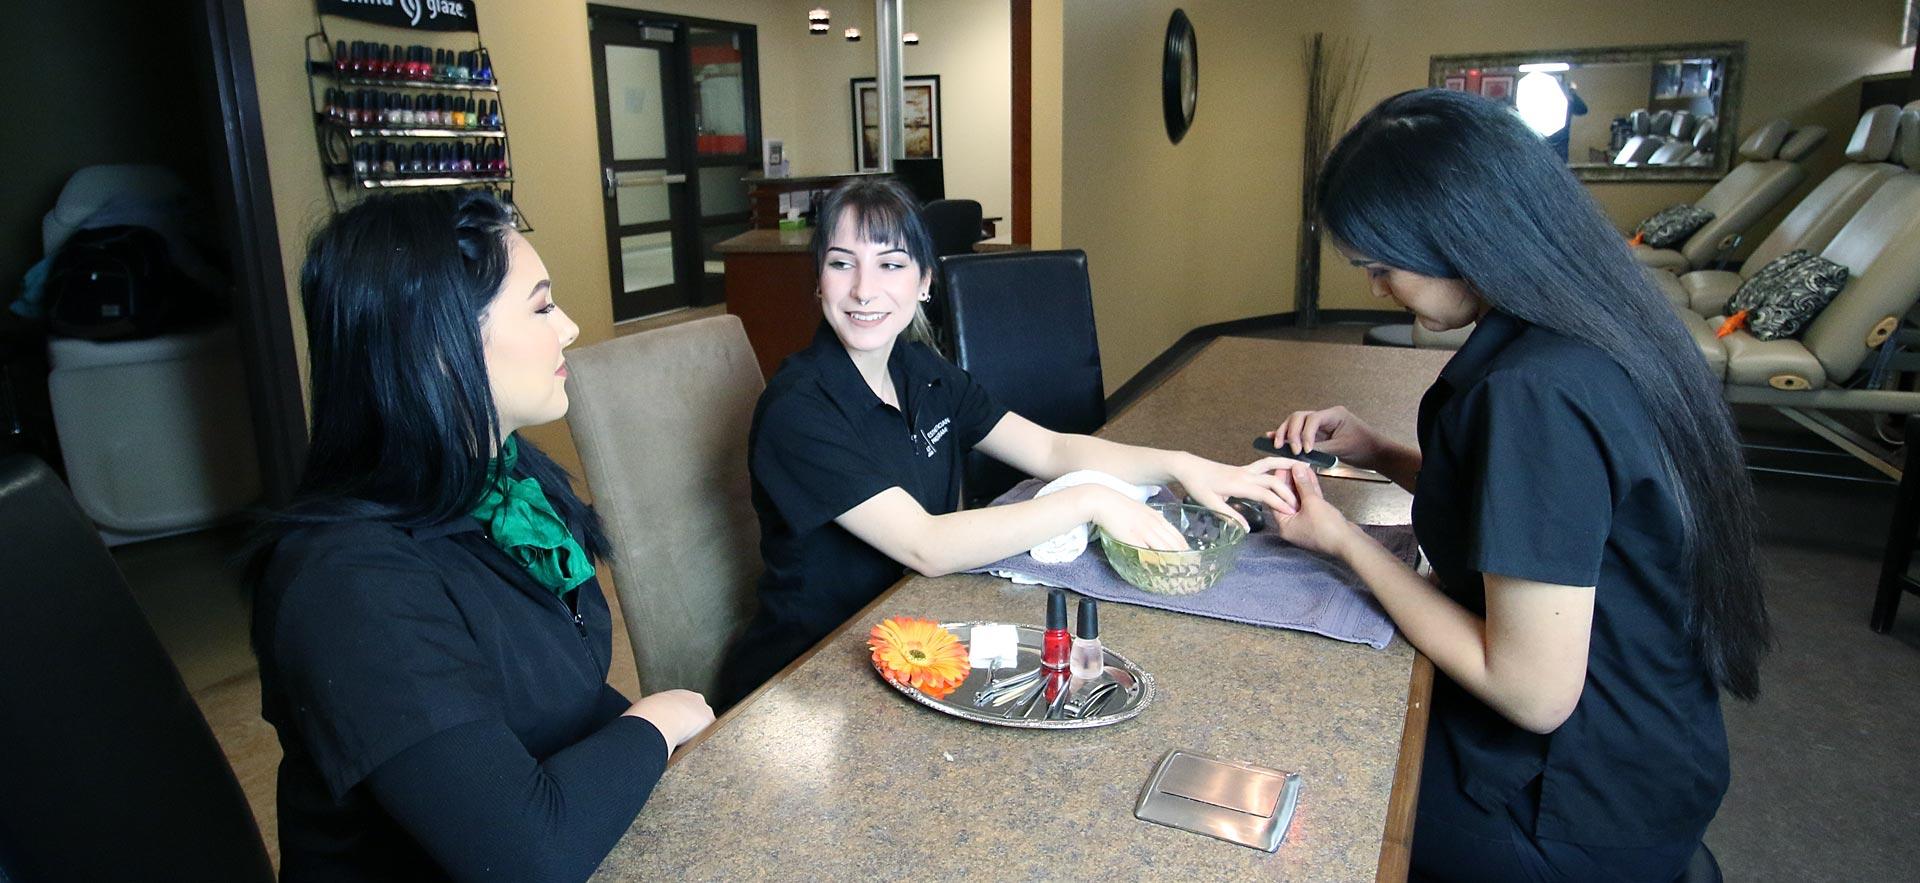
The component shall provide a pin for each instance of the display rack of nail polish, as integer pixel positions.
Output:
(338, 138)
(408, 131)
(326, 69)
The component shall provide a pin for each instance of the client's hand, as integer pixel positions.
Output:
(1318, 526)
(679, 715)
(1135, 524)
(1334, 430)
(1210, 483)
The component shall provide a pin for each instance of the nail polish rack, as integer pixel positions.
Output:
(391, 112)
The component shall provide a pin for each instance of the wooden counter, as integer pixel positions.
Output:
(769, 284)
(827, 773)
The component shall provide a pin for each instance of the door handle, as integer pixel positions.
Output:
(613, 181)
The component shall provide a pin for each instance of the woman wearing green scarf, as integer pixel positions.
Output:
(433, 642)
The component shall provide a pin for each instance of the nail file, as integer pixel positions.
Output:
(1322, 462)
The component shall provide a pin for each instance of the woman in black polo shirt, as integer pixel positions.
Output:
(1579, 491)
(858, 442)
(433, 644)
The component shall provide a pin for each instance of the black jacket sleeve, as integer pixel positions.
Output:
(486, 810)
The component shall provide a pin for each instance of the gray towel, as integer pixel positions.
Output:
(1273, 583)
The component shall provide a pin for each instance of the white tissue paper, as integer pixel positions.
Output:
(1070, 545)
(993, 646)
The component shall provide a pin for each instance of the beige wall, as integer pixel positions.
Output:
(1184, 236)
(967, 43)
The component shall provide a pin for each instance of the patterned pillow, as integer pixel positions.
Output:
(1786, 294)
(1672, 225)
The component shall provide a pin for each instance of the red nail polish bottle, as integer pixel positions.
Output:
(1056, 646)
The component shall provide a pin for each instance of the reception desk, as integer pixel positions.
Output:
(769, 284)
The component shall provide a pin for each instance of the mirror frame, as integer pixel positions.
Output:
(1181, 54)
(1734, 54)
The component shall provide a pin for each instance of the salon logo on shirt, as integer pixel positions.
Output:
(934, 435)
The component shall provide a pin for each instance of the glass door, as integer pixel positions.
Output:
(643, 174)
(679, 131)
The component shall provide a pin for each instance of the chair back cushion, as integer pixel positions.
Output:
(1881, 248)
(954, 225)
(1022, 324)
(661, 419)
(108, 771)
(1749, 191)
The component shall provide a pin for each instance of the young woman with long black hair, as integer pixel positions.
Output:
(858, 443)
(1579, 491)
(433, 643)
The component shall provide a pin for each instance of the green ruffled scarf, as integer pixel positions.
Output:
(523, 524)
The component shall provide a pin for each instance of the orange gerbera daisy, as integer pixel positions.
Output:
(920, 654)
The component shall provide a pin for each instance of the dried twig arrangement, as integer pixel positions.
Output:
(1335, 68)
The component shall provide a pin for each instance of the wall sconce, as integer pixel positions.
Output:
(910, 38)
(853, 35)
(817, 21)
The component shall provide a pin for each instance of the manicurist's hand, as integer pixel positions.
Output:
(1210, 483)
(679, 715)
(1130, 522)
(1334, 430)
(1318, 525)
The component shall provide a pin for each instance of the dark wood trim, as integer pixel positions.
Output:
(263, 316)
(1022, 121)
(1190, 343)
(1396, 845)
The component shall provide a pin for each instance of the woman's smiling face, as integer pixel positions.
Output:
(869, 291)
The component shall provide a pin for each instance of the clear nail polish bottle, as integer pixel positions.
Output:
(1088, 659)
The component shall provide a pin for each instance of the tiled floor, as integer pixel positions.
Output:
(1824, 763)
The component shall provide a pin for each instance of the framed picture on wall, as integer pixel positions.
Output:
(922, 101)
(1455, 84)
(1498, 88)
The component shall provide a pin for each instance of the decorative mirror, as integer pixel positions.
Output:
(1625, 113)
(1179, 76)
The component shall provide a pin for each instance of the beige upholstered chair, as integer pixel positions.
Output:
(1812, 223)
(1637, 150)
(1671, 153)
(1880, 245)
(1753, 188)
(661, 421)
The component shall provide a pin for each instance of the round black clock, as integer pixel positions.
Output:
(1179, 75)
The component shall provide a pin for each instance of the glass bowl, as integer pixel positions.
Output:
(1213, 539)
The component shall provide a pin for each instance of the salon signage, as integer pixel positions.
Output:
(419, 15)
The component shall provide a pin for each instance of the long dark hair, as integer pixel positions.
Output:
(888, 215)
(403, 418)
(1453, 186)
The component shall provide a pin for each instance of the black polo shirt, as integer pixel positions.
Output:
(374, 639)
(1540, 461)
(823, 443)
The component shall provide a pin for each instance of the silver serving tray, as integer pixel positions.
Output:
(1133, 695)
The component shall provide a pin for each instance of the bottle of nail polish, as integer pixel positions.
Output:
(1088, 660)
(1055, 645)
(360, 160)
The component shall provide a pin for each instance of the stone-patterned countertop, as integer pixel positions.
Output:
(828, 773)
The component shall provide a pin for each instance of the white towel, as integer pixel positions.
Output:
(1070, 545)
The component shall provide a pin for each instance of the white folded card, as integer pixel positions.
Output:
(993, 646)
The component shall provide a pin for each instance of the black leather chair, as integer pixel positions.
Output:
(954, 224)
(1022, 324)
(107, 769)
